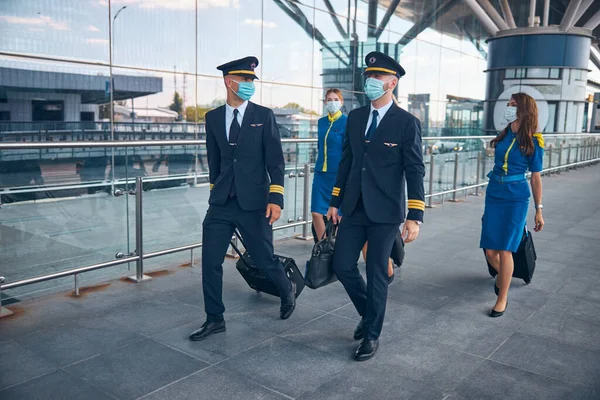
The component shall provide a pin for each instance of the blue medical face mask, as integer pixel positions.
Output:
(333, 106)
(510, 114)
(245, 90)
(374, 88)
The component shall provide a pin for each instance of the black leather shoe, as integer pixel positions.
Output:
(496, 289)
(358, 332)
(208, 328)
(496, 314)
(288, 304)
(366, 350)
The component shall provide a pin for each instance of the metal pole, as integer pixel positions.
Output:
(76, 279)
(4, 312)
(550, 157)
(482, 16)
(531, 13)
(494, 14)
(546, 12)
(569, 154)
(593, 22)
(577, 153)
(508, 14)
(455, 183)
(560, 157)
(139, 233)
(306, 201)
(431, 173)
(568, 19)
(191, 257)
(478, 173)
(111, 108)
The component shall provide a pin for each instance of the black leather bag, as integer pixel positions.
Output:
(524, 259)
(319, 269)
(398, 250)
(258, 280)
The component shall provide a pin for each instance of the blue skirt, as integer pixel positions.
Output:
(323, 183)
(503, 223)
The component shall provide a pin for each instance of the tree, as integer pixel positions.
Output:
(294, 106)
(196, 114)
(177, 104)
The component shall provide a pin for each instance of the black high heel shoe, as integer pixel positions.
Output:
(496, 289)
(496, 314)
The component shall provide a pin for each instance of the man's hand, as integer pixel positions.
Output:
(410, 231)
(273, 213)
(333, 215)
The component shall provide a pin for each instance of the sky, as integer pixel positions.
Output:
(160, 35)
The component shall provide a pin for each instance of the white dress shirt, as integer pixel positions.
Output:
(381, 113)
(229, 116)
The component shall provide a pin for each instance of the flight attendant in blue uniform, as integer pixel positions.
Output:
(331, 132)
(246, 168)
(382, 148)
(518, 148)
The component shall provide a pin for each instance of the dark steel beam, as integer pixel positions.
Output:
(335, 19)
(426, 21)
(296, 14)
(386, 18)
(372, 18)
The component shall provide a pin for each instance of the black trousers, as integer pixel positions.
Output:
(218, 227)
(368, 298)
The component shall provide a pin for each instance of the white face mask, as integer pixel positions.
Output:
(510, 114)
(333, 106)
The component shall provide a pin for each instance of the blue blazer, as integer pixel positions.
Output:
(331, 141)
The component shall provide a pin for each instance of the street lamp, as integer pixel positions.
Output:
(112, 81)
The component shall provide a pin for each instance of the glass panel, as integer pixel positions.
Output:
(154, 34)
(510, 73)
(60, 28)
(58, 212)
(287, 43)
(428, 70)
(243, 22)
(554, 73)
(538, 73)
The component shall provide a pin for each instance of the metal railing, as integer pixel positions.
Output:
(579, 155)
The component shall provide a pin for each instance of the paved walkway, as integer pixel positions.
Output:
(128, 341)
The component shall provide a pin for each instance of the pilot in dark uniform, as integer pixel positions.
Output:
(246, 169)
(382, 147)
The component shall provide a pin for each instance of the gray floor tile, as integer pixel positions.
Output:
(433, 364)
(153, 316)
(58, 385)
(493, 381)
(564, 328)
(552, 359)
(78, 340)
(327, 298)
(137, 369)
(329, 333)
(263, 314)
(239, 337)
(383, 383)
(581, 288)
(215, 383)
(20, 364)
(467, 327)
(576, 307)
(286, 366)
(417, 293)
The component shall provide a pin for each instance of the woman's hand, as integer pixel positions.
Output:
(539, 221)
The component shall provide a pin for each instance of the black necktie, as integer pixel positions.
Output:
(234, 129)
(373, 125)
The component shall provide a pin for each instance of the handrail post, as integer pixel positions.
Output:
(431, 172)
(455, 182)
(560, 151)
(305, 203)
(569, 154)
(478, 173)
(139, 233)
(550, 150)
(4, 312)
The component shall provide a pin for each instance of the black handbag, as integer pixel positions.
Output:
(398, 250)
(524, 259)
(319, 269)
